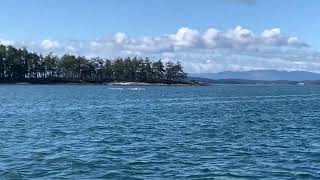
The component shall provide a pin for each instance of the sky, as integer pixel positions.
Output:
(204, 35)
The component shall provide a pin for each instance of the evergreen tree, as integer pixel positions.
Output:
(20, 64)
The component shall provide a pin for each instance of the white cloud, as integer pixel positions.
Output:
(272, 37)
(240, 35)
(211, 37)
(185, 37)
(70, 49)
(271, 33)
(190, 39)
(48, 44)
(94, 44)
(120, 37)
(6, 42)
(294, 41)
(211, 50)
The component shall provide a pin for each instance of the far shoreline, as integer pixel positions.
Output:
(190, 82)
(112, 83)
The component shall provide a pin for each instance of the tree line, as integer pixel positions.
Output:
(20, 64)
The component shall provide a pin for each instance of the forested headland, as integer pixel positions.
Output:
(20, 65)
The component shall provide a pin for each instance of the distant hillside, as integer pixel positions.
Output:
(206, 81)
(264, 75)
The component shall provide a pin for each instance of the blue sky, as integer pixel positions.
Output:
(91, 27)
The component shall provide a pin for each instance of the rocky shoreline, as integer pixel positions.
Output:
(61, 82)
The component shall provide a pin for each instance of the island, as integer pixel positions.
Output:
(21, 66)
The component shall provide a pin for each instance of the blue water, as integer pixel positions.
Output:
(113, 132)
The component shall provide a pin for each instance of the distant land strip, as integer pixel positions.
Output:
(22, 66)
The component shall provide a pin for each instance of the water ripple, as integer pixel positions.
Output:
(103, 132)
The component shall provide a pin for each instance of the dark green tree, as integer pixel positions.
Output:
(20, 64)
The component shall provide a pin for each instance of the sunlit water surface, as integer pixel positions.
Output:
(113, 132)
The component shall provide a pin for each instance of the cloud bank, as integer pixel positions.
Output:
(211, 50)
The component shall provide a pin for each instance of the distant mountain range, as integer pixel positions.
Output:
(263, 75)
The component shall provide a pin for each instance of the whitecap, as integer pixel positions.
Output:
(136, 89)
(116, 88)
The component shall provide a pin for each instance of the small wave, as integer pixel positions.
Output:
(116, 88)
(136, 89)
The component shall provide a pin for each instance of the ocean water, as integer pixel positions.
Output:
(113, 132)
